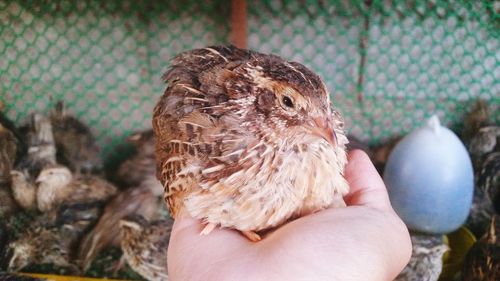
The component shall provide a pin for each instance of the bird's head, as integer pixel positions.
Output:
(17, 177)
(132, 224)
(22, 254)
(425, 245)
(294, 100)
(54, 176)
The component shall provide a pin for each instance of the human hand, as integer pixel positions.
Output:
(364, 241)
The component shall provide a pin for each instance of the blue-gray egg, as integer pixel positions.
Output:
(430, 179)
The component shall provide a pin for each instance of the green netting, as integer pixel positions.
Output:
(103, 58)
(388, 64)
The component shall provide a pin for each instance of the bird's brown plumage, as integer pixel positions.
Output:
(247, 140)
(76, 146)
(482, 262)
(141, 165)
(56, 185)
(144, 245)
(139, 200)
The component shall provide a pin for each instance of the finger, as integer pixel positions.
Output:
(366, 185)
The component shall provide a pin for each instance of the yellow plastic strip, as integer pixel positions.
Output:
(51, 277)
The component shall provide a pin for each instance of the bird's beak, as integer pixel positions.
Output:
(39, 180)
(322, 128)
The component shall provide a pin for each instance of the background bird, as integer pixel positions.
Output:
(41, 150)
(41, 245)
(482, 262)
(486, 140)
(145, 244)
(139, 200)
(76, 146)
(486, 202)
(142, 164)
(56, 185)
(426, 262)
(4, 236)
(246, 140)
(8, 205)
(8, 150)
(23, 190)
(477, 118)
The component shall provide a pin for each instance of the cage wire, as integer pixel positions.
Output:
(389, 65)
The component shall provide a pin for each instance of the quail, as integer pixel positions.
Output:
(426, 261)
(42, 245)
(8, 204)
(8, 150)
(144, 245)
(485, 141)
(76, 146)
(41, 146)
(486, 201)
(23, 190)
(475, 119)
(142, 164)
(482, 262)
(136, 200)
(57, 185)
(247, 141)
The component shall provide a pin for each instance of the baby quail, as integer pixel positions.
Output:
(41, 146)
(76, 146)
(145, 246)
(247, 141)
(8, 150)
(482, 262)
(23, 190)
(486, 140)
(56, 185)
(40, 245)
(142, 164)
(426, 261)
(486, 201)
(475, 119)
(138, 200)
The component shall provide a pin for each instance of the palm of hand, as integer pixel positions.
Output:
(364, 241)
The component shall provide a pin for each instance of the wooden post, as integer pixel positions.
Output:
(239, 23)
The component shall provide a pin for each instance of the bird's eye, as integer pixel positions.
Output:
(287, 101)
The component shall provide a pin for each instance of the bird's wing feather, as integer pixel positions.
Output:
(196, 121)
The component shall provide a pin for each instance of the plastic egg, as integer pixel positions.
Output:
(430, 179)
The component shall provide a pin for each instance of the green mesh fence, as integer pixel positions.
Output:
(388, 64)
(103, 58)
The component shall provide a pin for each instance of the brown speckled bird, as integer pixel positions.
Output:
(486, 201)
(23, 190)
(8, 204)
(486, 140)
(8, 150)
(40, 245)
(482, 262)
(139, 200)
(41, 146)
(426, 262)
(475, 119)
(145, 246)
(56, 185)
(247, 141)
(142, 164)
(76, 146)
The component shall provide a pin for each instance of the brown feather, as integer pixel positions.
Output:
(234, 152)
(139, 200)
